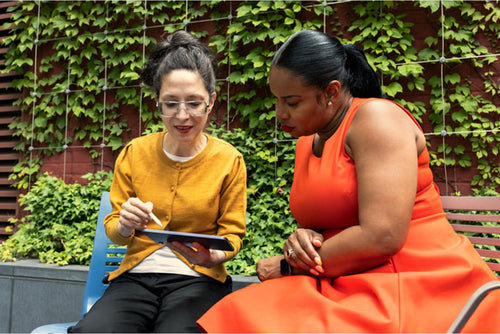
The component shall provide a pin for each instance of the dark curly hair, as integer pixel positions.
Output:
(180, 50)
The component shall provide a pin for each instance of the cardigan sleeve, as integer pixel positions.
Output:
(122, 190)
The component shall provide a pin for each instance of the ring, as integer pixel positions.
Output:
(290, 252)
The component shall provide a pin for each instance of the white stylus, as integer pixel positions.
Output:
(156, 220)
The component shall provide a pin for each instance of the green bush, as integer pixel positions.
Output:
(270, 162)
(60, 224)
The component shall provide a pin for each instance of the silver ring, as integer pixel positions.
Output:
(290, 252)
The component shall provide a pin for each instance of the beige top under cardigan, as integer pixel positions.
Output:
(206, 194)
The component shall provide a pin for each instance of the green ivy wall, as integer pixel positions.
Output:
(79, 64)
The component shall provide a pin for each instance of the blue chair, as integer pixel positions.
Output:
(106, 257)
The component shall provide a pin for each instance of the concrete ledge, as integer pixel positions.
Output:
(34, 294)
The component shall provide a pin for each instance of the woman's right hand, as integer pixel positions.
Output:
(134, 215)
(300, 250)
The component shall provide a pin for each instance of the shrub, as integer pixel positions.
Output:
(60, 224)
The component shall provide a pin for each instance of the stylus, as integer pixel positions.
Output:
(156, 220)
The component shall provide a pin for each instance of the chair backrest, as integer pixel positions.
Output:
(106, 257)
(467, 215)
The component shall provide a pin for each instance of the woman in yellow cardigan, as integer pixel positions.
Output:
(193, 183)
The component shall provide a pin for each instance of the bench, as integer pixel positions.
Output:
(107, 257)
(477, 217)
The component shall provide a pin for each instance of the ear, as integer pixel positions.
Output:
(213, 96)
(333, 90)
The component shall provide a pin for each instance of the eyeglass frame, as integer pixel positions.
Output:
(159, 103)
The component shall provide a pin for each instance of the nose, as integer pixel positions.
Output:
(184, 114)
(281, 112)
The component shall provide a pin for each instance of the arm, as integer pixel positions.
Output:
(384, 144)
(120, 226)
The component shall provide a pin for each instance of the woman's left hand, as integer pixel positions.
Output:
(198, 254)
(300, 250)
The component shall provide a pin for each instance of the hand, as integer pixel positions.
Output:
(134, 215)
(269, 268)
(300, 250)
(198, 254)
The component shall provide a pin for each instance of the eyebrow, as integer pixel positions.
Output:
(173, 97)
(289, 96)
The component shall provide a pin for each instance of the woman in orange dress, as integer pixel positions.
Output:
(373, 251)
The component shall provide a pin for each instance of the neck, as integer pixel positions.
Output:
(340, 106)
(184, 149)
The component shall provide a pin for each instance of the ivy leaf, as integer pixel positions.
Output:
(393, 88)
(453, 78)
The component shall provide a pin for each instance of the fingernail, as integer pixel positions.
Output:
(317, 243)
(320, 269)
(317, 260)
(314, 272)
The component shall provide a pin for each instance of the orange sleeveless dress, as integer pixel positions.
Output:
(421, 289)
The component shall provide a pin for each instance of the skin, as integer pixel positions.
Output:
(184, 137)
(384, 144)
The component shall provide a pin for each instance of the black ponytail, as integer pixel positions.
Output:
(361, 78)
(319, 58)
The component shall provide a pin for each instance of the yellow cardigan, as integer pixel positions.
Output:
(206, 194)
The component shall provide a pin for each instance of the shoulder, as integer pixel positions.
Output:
(147, 139)
(143, 144)
(380, 123)
(383, 115)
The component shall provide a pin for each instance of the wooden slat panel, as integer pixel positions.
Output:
(491, 203)
(9, 193)
(6, 4)
(8, 144)
(6, 181)
(472, 217)
(485, 241)
(5, 169)
(4, 231)
(494, 266)
(9, 156)
(8, 196)
(10, 108)
(489, 253)
(473, 208)
(6, 132)
(476, 228)
(8, 206)
(4, 97)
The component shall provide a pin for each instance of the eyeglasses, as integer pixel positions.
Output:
(193, 108)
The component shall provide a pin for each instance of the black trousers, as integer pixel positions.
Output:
(152, 303)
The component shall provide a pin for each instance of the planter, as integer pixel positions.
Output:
(34, 293)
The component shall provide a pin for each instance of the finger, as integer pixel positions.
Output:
(130, 219)
(305, 250)
(296, 262)
(137, 208)
(307, 239)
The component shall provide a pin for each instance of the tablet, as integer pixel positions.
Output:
(208, 241)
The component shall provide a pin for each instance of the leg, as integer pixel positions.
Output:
(186, 300)
(127, 305)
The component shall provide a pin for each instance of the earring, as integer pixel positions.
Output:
(329, 103)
